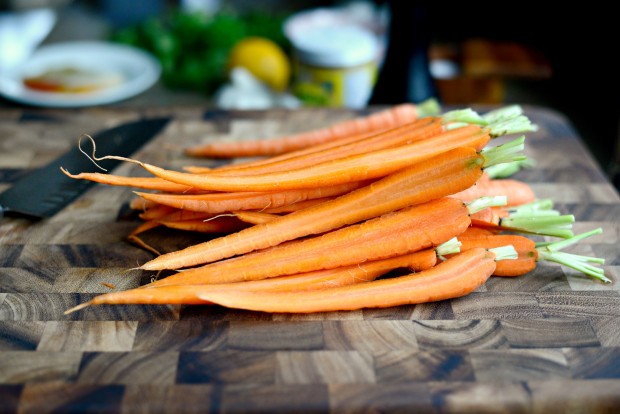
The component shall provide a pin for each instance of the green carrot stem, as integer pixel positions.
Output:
(508, 169)
(551, 252)
(504, 253)
(536, 205)
(508, 152)
(582, 258)
(501, 114)
(463, 116)
(537, 213)
(558, 226)
(486, 202)
(517, 125)
(429, 107)
(452, 246)
(573, 262)
(561, 244)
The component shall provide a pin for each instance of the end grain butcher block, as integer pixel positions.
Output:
(544, 342)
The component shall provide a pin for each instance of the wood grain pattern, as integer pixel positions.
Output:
(545, 342)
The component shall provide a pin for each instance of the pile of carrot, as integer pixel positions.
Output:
(398, 207)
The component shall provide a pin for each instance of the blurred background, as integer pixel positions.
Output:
(244, 54)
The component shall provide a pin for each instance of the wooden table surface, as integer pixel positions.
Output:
(545, 342)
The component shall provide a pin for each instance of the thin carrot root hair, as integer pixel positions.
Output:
(94, 158)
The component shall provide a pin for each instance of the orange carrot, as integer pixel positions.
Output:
(365, 166)
(220, 224)
(452, 278)
(158, 217)
(323, 147)
(392, 234)
(529, 253)
(474, 231)
(490, 215)
(139, 203)
(437, 177)
(145, 183)
(525, 247)
(315, 280)
(300, 205)
(542, 222)
(255, 217)
(508, 122)
(389, 118)
(246, 200)
(146, 226)
(416, 131)
(184, 215)
(157, 212)
(517, 192)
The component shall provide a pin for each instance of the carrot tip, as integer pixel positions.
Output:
(77, 308)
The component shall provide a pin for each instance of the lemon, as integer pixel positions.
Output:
(264, 59)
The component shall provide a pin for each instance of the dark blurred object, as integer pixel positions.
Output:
(121, 13)
(476, 70)
(405, 75)
(20, 5)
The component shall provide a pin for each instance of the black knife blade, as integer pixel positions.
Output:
(45, 191)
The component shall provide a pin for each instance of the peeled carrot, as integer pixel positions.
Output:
(455, 277)
(221, 224)
(322, 147)
(157, 212)
(315, 280)
(396, 233)
(490, 215)
(508, 122)
(145, 183)
(138, 203)
(247, 200)
(365, 166)
(546, 222)
(517, 192)
(300, 205)
(255, 217)
(391, 117)
(406, 134)
(437, 177)
(525, 248)
(474, 231)
(530, 253)
(184, 215)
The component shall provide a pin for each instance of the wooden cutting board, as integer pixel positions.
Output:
(545, 342)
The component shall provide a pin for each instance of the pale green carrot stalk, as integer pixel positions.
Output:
(510, 168)
(557, 226)
(551, 252)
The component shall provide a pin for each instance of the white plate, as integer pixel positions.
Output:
(138, 69)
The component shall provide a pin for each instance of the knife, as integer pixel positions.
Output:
(45, 191)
